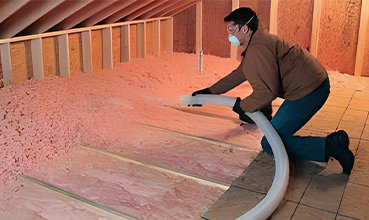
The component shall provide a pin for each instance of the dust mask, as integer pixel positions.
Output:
(234, 40)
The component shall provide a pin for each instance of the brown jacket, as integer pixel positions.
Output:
(273, 69)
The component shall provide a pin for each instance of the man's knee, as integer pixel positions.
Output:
(266, 146)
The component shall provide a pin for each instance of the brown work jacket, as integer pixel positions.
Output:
(273, 69)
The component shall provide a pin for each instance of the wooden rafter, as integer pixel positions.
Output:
(147, 8)
(54, 16)
(82, 14)
(9, 7)
(25, 16)
(158, 10)
(126, 11)
(106, 12)
(179, 8)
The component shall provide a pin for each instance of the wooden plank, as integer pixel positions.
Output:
(198, 27)
(63, 56)
(235, 5)
(49, 55)
(125, 43)
(169, 35)
(273, 28)
(107, 49)
(116, 41)
(9, 7)
(156, 38)
(184, 32)
(21, 61)
(96, 45)
(126, 11)
(75, 53)
(141, 40)
(180, 8)
(316, 27)
(163, 35)
(363, 38)
(37, 59)
(145, 9)
(26, 16)
(159, 10)
(133, 41)
(86, 52)
(6, 64)
(149, 38)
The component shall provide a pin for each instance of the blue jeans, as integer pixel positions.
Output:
(291, 116)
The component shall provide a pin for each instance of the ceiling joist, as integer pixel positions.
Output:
(147, 8)
(159, 10)
(9, 7)
(180, 8)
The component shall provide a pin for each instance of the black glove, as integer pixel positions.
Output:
(202, 91)
(267, 112)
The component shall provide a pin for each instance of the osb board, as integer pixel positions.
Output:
(149, 37)
(366, 54)
(338, 34)
(295, 18)
(49, 54)
(20, 53)
(163, 35)
(96, 42)
(75, 53)
(116, 44)
(133, 40)
(214, 31)
(184, 31)
(262, 10)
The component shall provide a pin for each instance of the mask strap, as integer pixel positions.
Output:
(250, 19)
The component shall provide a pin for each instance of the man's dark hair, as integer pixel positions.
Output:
(242, 15)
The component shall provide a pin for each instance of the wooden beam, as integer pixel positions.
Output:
(235, 5)
(86, 52)
(63, 55)
(314, 42)
(141, 40)
(55, 16)
(37, 58)
(179, 8)
(145, 9)
(198, 27)
(363, 38)
(82, 14)
(159, 10)
(9, 7)
(26, 16)
(273, 28)
(169, 34)
(125, 44)
(107, 48)
(156, 38)
(6, 63)
(126, 11)
(106, 12)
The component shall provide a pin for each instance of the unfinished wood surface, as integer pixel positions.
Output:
(182, 5)
(184, 31)
(149, 38)
(21, 61)
(49, 55)
(159, 10)
(63, 56)
(96, 44)
(116, 44)
(86, 52)
(338, 34)
(235, 5)
(37, 62)
(75, 53)
(317, 12)
(163, 35)
(125, 43)
(198, 27)
(149, 7)
(169, 32)
(6, 64)
(133, 41)
(363, 45)
(262, 9)
(119, 15)
(156, 38)
(9, 7)
(107, 49)
(273, 28)
(141, 40)
(214, 28)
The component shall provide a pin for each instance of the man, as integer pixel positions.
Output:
(276, 69)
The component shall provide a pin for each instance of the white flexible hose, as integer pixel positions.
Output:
(270, 203)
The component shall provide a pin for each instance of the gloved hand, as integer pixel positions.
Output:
(202, 91)
(267, 112)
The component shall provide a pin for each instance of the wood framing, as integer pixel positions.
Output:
(180, 8)
(9, 7)
(107, 50)
(145, 9)
(63, 49)
(155, 12)
(126, 11)
(26, 16)
(273, 28)
(125, 43)
(363, 38)
(156, 38)
(198, 27)
(86, 52)
(37, 58)
(235, 5)
(6, 63)
(141, 40)
(169, 34)
(316, 27)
